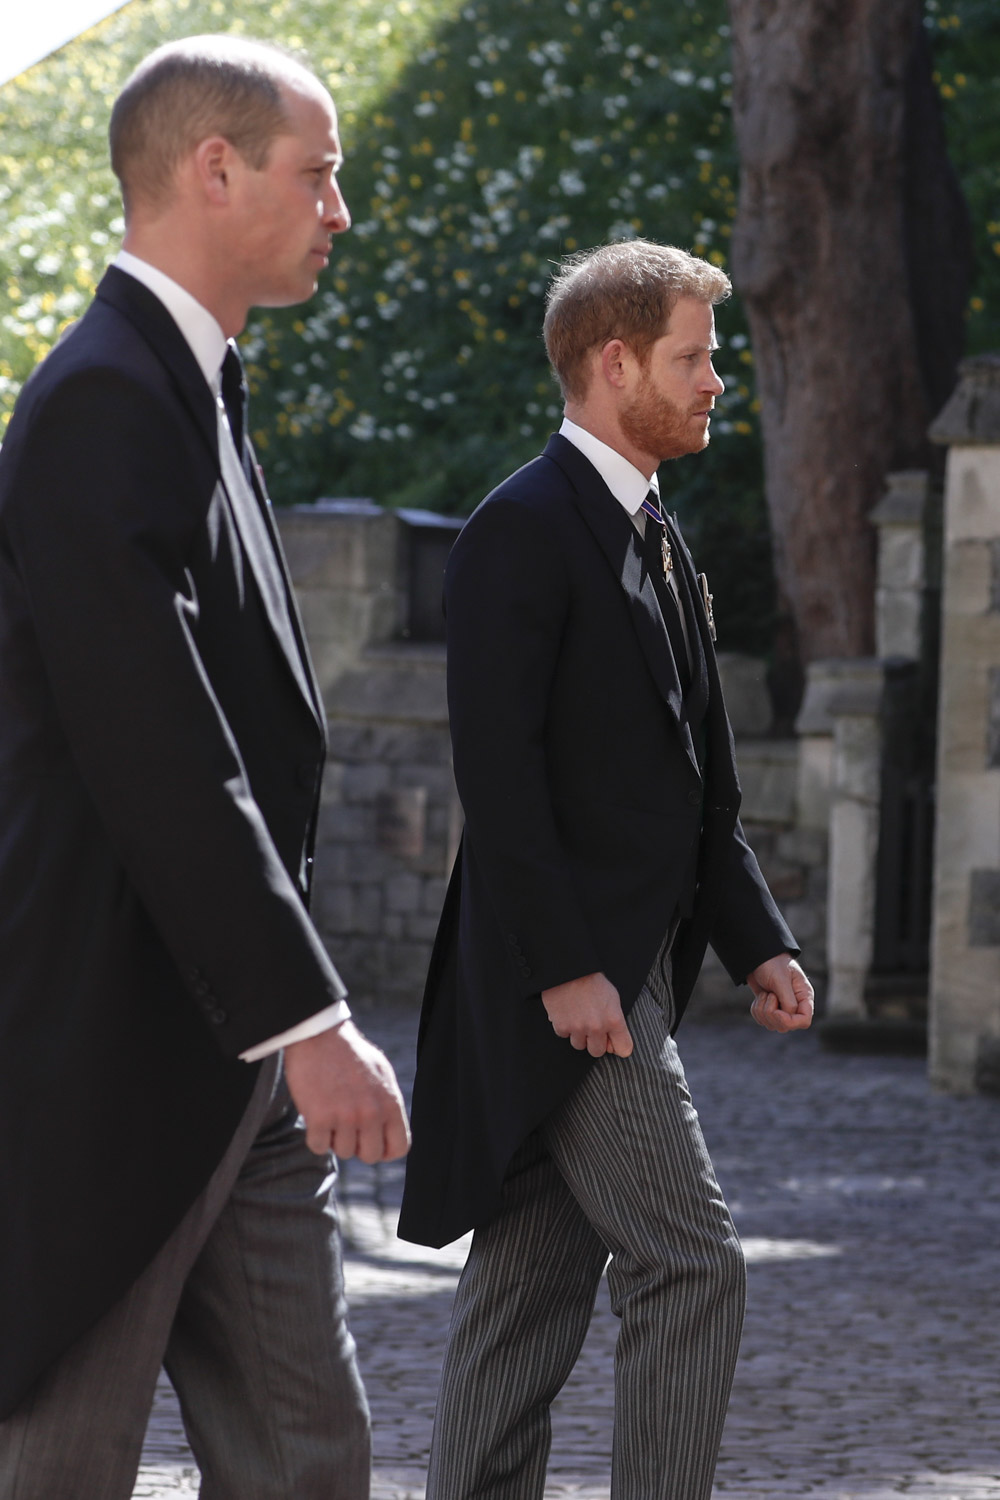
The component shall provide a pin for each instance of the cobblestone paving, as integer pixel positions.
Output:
(870, 1211)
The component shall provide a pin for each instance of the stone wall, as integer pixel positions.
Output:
(965, 973)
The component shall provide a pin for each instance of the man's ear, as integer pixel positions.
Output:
(616, 360)
(213, 161)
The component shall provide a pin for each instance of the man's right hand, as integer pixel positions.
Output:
(589, 1012)
(347, 1093)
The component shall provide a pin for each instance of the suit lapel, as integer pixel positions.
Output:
(250, 510)
(725, 783)
(621, 544)
(302, 653)
(263, 552)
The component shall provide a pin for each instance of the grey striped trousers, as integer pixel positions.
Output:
(622, 1169)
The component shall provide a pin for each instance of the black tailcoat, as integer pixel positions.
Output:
(161, 747)
(589, 803)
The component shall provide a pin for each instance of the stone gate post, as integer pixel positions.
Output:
(965, 961)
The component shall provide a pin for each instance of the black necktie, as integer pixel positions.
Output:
(652, 553)
(234, 398)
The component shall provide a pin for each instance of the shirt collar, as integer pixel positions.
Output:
(628, 485)
(205, 338)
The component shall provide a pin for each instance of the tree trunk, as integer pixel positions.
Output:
(851, 251)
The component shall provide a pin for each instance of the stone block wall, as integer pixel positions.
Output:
(965, 973)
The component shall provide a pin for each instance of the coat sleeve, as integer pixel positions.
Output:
(506, 598)
(748, 927)
(102, 511)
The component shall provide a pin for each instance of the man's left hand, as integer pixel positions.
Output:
(783, 996)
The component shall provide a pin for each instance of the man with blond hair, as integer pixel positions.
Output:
(177, 1063)
(602, 852)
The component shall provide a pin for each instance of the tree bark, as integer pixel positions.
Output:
(854, 297)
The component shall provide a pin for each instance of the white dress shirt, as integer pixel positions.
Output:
(629, 487)
(208, 345)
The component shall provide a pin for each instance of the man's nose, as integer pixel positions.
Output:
(713, 383)
(338, 216)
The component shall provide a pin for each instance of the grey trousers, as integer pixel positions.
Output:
(244, 1305)
(621, 1169)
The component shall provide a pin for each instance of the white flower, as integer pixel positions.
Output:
(425, 107)
(571, 183)
(501, 182)
(363, 427)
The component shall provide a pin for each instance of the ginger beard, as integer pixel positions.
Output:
(658, 426)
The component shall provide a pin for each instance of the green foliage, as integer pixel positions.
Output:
(966, 41)
(529, 128)
(483, 141)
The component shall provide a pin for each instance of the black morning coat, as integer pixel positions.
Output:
(588, 806)
(161, 747)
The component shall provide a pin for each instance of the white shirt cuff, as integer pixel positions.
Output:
(323, 1020)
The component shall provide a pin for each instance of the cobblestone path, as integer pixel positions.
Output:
(870, 1212)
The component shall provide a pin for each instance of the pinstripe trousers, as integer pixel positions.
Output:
(245, 1306)
(620, 1169)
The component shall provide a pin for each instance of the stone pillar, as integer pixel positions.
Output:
(814, 728)
(854, 706)
(900, 517)
(965, 961)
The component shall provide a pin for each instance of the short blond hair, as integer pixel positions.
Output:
(622, 291)
(189, 90)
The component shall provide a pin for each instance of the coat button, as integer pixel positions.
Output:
(694, 799)
(217, 1015)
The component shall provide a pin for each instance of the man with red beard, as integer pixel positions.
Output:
(602, 852)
